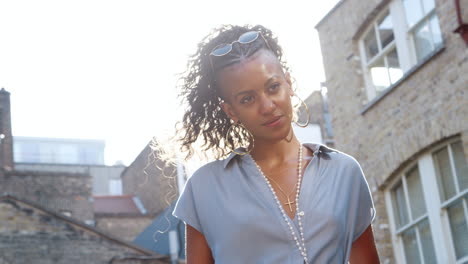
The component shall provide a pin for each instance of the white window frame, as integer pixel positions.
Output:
(435, 209)
(403, 40)
(410, 30)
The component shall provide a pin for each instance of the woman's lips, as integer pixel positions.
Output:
(273, 122)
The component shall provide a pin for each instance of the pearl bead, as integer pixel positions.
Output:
(302, 249)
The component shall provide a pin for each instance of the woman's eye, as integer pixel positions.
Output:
(246, 99)
(274, 87)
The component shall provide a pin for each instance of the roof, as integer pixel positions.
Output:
(72, 221)
(118, 205)
(156, 236)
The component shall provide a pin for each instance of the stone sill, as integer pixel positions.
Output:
(409, 73)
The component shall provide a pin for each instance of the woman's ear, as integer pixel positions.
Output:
(227, 108)
(288, 80)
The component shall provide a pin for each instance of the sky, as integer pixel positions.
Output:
(108, 69)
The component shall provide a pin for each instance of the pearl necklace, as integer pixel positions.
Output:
(300, 242)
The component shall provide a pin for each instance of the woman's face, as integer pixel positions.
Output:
(258, 94)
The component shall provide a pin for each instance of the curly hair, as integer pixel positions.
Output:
(204, 118)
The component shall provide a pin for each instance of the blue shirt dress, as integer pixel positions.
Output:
(229, 202)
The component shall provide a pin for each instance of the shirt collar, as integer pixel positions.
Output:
(315, 147)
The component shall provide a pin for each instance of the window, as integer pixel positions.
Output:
(403, 35)
(115, 187)
(423, 26)
(381, 54)
(428, 208)
(412, 218)
(452, 180)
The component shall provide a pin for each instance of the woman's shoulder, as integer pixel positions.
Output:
(334, 156)
(207, 171)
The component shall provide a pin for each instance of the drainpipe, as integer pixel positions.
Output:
(174, 246)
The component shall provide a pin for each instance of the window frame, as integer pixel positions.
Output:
(403, 42)
(436, 209)
(412, 223)
(365, 63)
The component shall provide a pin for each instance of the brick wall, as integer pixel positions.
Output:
(124, 227)
(146, 178)
(428, 106)
(60, 192)
(29, 234)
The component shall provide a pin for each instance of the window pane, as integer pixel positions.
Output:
(444, 174)
(115, 187)
(459, 229)
(428, 5)
(370, 44)
(385, 30)
(413, 11)
(31, 152)
(427, 244)
(399, 202)
(460, 165)
(435, 28)
(379, 74)
(415, 193)
(394, 69)
(411, 246)
(422, 41)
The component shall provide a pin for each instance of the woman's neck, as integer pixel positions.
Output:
(275, 153)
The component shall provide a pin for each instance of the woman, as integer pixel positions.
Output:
(273, 199)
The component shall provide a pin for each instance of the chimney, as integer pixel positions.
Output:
(6, 138)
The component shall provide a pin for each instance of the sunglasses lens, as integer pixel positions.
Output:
(248, 37)
(221, 50)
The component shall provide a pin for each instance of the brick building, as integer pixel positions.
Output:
(6, 138)
(397, 78)
(318, 114)
(151, 180)
(123, 216)
(31, 233)
(66, 193)
(48, 213)
(68, 155)
(156, 185)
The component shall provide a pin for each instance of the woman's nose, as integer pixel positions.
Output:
(267, 105)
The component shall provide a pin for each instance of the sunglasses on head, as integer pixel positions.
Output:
(246, 38)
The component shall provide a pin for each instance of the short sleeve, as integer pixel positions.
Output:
(185, 208)
(365, 211)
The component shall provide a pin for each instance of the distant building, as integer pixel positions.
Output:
(48, 213)
(6, 138)
(106, 179)
(150, 179)
(157, 186)
(397, 79)
(58, 151)
(123, 216)
(66, 193)
(69, 155)
(319, 129)
(32, 233)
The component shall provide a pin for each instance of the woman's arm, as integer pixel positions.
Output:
(363, 250)
(197, 249)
